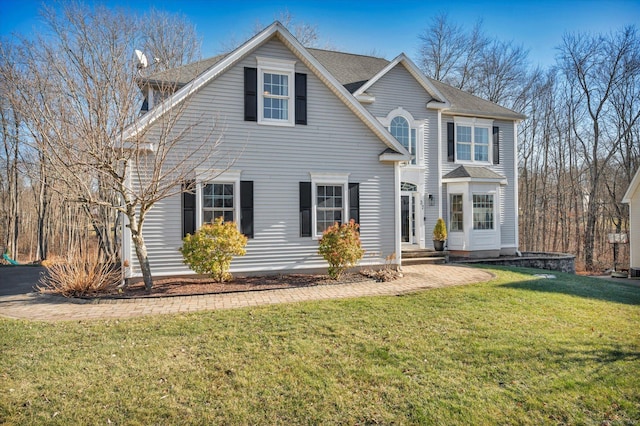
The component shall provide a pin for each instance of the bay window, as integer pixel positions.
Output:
(456, 221)
(482, 211)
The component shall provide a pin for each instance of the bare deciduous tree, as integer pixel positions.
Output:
(471, 61)
(596, 68)
(82, 101)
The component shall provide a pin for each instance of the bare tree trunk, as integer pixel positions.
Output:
(141, 250)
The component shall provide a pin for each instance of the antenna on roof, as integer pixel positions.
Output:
(142, 59)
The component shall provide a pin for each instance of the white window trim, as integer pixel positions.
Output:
(276, 66)
(413, 124)
(473, 123)
(328, 179)
(210, 176)
(451, 211)
(494, 211)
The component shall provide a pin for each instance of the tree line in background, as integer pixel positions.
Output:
(580, 144)
(66, 95)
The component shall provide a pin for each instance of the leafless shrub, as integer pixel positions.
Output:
(80, 275)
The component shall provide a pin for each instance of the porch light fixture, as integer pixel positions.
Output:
(432, 201)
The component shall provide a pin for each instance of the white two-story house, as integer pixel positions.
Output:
(321, 136)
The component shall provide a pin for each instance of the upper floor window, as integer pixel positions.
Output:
(275, 91)
(472, 140)
(407, 136)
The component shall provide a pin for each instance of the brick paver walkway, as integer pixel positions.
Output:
(53, 308)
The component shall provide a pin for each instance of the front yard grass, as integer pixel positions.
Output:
(516, 350)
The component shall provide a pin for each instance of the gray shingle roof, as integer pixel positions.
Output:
(468, 104)
(184, 74)
(353, 71)
(473, 172)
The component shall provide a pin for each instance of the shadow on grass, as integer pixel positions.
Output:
(605, 354)
(573, 285)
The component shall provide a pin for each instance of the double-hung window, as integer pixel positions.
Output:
(472, 139)
(218, 201)
(327, 199)
(456, 222)
(401, 130)
(482, 211)
(275, 91)
(219, 193)
(329, 206)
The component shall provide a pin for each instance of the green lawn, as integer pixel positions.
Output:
(516, 350)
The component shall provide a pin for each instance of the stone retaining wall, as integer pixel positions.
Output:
(552, 261)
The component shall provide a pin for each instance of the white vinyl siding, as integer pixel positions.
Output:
(277, 159)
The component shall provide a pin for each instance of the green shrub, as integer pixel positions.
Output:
(440, 230)
(211, 249)
(340, 247)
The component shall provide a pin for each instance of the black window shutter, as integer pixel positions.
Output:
(250, 94)
(496, 145)
(305, 209)
(246, 208)
(188, 209)
(301, 98)
(354, 202)
(451, 143)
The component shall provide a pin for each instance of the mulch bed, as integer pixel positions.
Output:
(197, 286)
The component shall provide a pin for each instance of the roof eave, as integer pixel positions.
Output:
(501, 181)
(394, 157)
(484, 114)
(633, 186)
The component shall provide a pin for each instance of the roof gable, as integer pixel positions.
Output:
(633, 187)
(224, 62)
(413, 70)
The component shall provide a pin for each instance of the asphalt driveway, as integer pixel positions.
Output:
(16, 280)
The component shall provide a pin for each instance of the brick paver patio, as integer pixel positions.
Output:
(33, 306)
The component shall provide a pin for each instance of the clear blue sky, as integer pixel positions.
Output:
(388, 27)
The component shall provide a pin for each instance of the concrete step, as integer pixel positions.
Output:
(431, 260)
(424, 257)
(413, 253)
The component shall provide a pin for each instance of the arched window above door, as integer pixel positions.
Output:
(406, 186)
